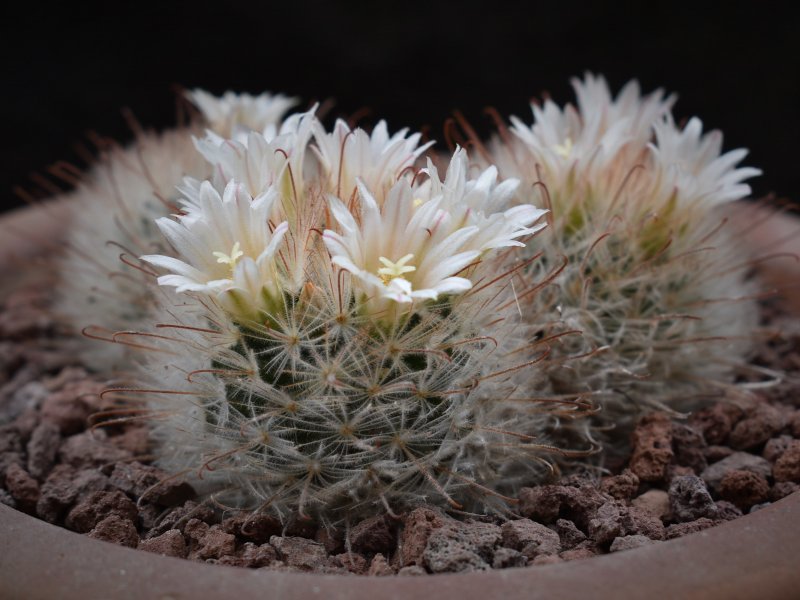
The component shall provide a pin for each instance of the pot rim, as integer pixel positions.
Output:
(753, 556)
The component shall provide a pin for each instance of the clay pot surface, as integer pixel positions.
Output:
(755, 556)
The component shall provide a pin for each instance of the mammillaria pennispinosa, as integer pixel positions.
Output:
(328, 324)
(649, 271)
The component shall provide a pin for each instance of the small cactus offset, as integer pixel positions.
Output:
(105, 290)
(642, 262)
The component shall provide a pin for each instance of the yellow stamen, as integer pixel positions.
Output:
(393, 270)
(230, 259)
(418, 202)
(565, 149)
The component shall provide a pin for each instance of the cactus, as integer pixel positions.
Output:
(113, 212)
(332, 351)
(648, 270)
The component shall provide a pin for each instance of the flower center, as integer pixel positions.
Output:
(230, 259)
(565, 149)
(394, 270)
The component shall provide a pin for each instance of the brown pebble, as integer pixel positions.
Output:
(546, 559)
(547, 503)
(569, 534)
(636, 521)
(794, 424)
(251, 556)
(6, 499)
(144, 481)
(352, 561)
(70, 407)
(727, 511)
(506, 558)
(299, 552)
(714, 423)
(116, 530)
(332, 539)
(135, 440)
(743, 488)
(379, 567)
(654, 502)
(630, 542)
(65, 376)
(680, 529)
(690, 499)
(577, 554)
(607, 523)
(90, 449)
(737, 461)
(449, 550)
(214, 543)
(42, 449)
(541, 503)
(530, 538)
(412, 571)
(716, 453)
(22, 487)
(26, 423)
(10, 447)
(775, 447)
(254, 527)
(179, 517)
(760, 423)
(782, 489)
(652, 447)
(417, 528)
(674, 471)
(622, 487)
(169, 543)
(63, 486)
(787, 467)
(689, 446)
(96, 506)
(373, 535)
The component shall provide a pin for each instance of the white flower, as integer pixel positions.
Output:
(600, 134)
(396, 244)
(228, 249)
(377, 159)
(417, 247)
(692, 164)
(258, 161)
(478, 202)
(235, 115)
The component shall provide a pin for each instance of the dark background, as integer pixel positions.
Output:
(71, 68)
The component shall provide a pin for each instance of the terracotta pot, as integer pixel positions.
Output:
(753, 556)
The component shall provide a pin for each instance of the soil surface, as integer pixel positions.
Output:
(682, 476)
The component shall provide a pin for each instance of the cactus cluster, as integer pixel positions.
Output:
(648, 269)
(325, 324)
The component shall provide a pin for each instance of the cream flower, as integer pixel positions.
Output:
(418, 246)
(227, 248)
(692, 164)
(601, 131)
(258, 161)
(377, 159)
(236, 115)
(478, 202)
(394, 244)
